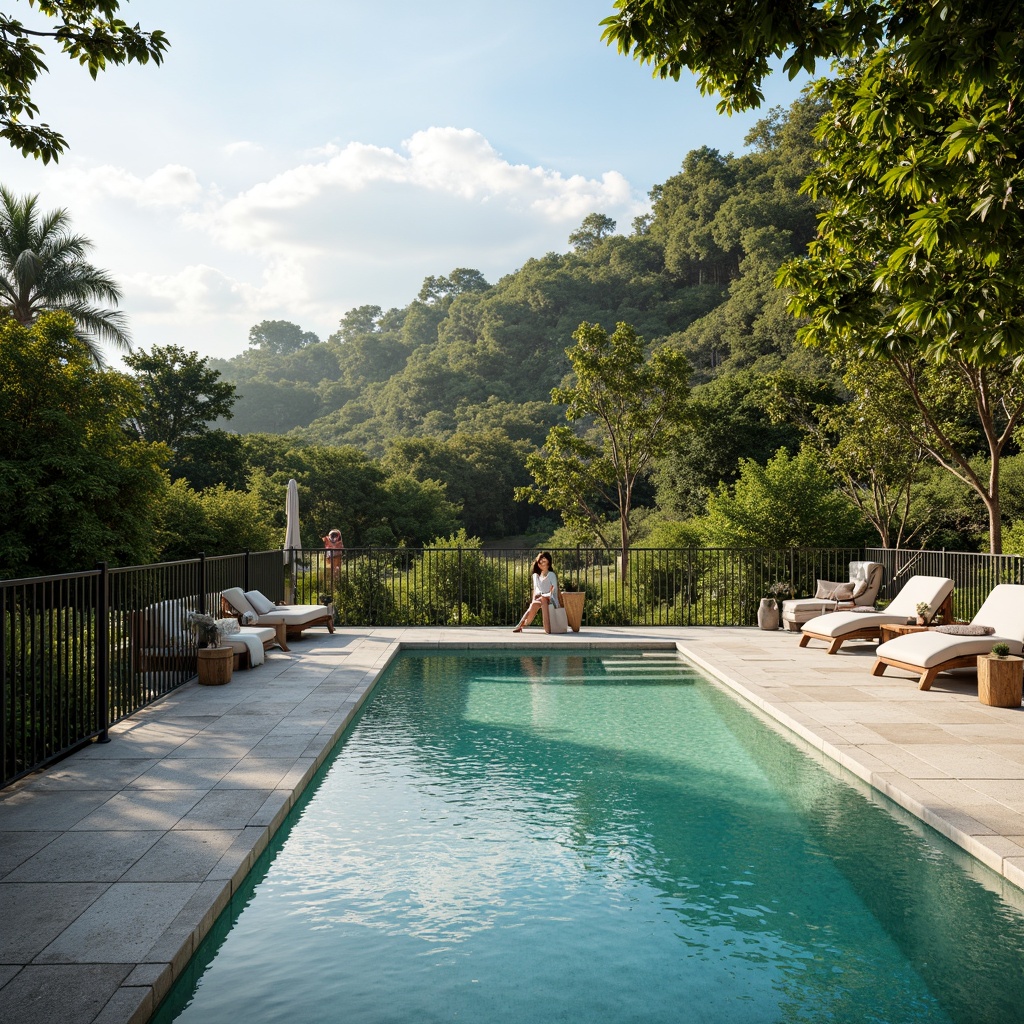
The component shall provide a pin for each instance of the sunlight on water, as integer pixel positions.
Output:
(530, 838)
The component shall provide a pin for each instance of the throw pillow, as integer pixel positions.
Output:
(966, 629)
(250, 618)
(228, 625)
(262, 605)
(829, 591)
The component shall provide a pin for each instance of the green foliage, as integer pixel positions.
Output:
(280, 337)
(44, 267)
(637, 405)
(790, 502)
(77, 488)
(216, 521)
(88, 31)
(594, 229)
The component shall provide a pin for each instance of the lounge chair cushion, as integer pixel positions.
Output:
(837, 624)
(235, 597)
(295, 614)
(930, 647)
(261, 605)
(930, 590)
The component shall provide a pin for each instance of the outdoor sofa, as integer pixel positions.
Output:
(835, 628)
(947, 647)
(860, 590)
(161, 641)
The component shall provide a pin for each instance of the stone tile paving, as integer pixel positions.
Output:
(115, 863)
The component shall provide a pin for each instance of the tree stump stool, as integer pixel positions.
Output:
(1000, 681)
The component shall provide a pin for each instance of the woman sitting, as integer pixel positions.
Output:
(545, 592)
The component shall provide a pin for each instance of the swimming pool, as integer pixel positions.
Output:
(603, 837)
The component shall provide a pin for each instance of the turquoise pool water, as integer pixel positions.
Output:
(605, 838)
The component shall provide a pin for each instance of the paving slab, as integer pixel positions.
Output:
(142, 841)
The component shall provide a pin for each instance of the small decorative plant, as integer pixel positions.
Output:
(205, 628)
(1000, 650)
(924, 611)
(780, 590)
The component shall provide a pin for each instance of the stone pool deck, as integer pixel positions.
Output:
(115, 862)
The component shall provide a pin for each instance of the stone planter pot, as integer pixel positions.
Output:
(214, 665)
(1000, 680)
(768, 613)
(572, 602)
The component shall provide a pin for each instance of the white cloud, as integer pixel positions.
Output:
(200, 262)
(170, 186)
(437, 163)
(243, 147)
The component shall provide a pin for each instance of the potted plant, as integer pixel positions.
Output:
(924, 613)
(768, 613)
(572, 597)
(215, 661)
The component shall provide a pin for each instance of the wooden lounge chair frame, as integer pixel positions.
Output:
(927, 677)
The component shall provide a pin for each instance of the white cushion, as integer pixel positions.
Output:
(295, 614)
(836, 624)
(1004, 610)
(164, 623)
(932, 590)
(261, 605)
(235, 597)
(930, 648)
(802, 609)
(870, 575)
(262, 633)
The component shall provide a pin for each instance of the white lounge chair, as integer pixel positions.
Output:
(288, 619)
(797, 611)
(836, 628)
(931, 652)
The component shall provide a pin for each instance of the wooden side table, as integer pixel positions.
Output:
(890, 630)
(1000, 680)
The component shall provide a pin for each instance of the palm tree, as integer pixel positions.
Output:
(43, 267)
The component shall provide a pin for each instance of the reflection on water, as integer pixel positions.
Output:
(598, 838)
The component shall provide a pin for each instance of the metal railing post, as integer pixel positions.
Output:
(103, 652)
(459, 616)
(202, 582)
(246, 570)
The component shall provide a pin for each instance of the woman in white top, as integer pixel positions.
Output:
(545, 591)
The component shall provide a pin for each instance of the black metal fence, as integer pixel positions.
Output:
(81, 651)
(76, 651)
(974, 574)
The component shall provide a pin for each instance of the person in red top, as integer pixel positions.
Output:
(334, 543)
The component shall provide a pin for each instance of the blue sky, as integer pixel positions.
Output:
(294, 161)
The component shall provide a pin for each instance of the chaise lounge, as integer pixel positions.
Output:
(250, 607)
(947, 647)
(836, 628)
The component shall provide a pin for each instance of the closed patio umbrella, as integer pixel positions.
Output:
(292, 538)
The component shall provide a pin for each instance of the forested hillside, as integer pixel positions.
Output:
(456, 386)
